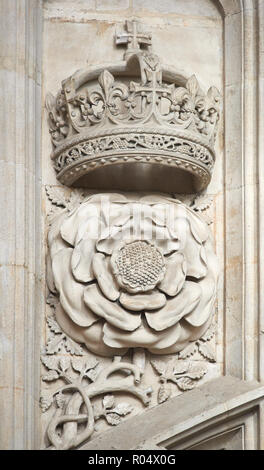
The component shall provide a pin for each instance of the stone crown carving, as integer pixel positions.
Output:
(139, 117)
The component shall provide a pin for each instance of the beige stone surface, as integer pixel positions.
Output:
(189, 37)
(181, 421)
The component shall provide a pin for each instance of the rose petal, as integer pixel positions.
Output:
(143, 337)
(141, 229)
(198, 227)
(55, 241)
(139, 302)
(49, 275)
(160, 214)
(176, 308)
(187, 334)
(169, 341)
(111, 197)
(104, 277)
(195, 259)
(110, 239)
(77, 220)
(175, 275)
(81, 262)
(92, 336)
(208, 288)
(71, 292)
(164, 241)
(89, 229)
(153, 199)
(110, 311)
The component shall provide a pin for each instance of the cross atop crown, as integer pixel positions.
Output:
(134, 37)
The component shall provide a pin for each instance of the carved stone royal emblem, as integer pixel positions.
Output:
(134, 117)
(131, 276)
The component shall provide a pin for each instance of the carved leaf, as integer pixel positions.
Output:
(75, 199)
(192, 86)
(50, 102)
(106, 81)
(159, 366)
(45, 402)
(72, 347)
(202, 203)
(189, 351)
(77, 364)
(92, 375)
(184, 383)
(179, 94)
(169, 367)
(164, 393)
(207, 352)
(56, 196)
(208, 220)
(187, 199)
(65, 363)
(53, 325)
(113, 419)
(108, 401)
(123, 409)
(60, 400)
(55, 344)
(209, 334)
(51, 375)
(53, 213)
(91, 363)
(196, 372)
(180, 367)
(49, 362)
(213, 94)
(53, 300)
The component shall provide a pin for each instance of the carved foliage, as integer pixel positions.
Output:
(202, 347)
(85, 379)
(181, 370)
(81, 376)
(58, 117)
(135, 142)
(184, 374)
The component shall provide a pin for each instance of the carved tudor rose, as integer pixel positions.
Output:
(133, 272)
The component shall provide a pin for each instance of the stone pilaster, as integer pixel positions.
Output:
(20, 226)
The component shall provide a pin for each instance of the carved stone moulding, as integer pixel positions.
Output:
(130, 155)
(134, 125)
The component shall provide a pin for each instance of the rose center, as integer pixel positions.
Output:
(138, 266)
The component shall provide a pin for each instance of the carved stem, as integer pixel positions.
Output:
(70, 437)
(139, 358)
(103, 385)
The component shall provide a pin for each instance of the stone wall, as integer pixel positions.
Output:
(45, 42)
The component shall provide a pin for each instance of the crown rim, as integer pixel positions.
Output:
(72, 163)
(90, 135)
